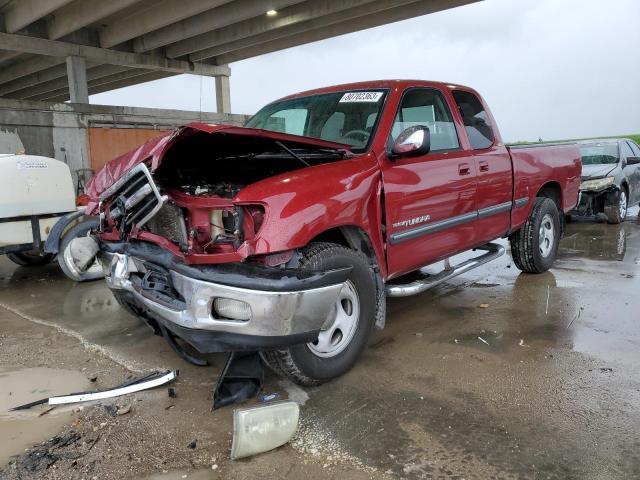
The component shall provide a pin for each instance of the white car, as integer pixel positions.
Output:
(38, 213)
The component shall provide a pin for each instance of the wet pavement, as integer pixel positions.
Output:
(496, 374)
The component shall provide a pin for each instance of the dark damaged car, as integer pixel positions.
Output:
(286, 236)
(610, 178)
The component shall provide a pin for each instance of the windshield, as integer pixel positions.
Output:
(348, 117)
(599, 153)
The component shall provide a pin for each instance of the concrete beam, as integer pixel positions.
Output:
(35, 80)
(77, 79)
(60, 83)
(418, 8)
(27, 68)
(223, 95)
(147, 77)
(54, 48)
(114, 77)
(223, 16)
(81, 13)
(344, 11)
(24, 12)
(158, 15)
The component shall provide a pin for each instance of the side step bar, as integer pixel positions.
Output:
(493, 251)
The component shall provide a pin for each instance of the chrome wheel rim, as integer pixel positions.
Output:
(334, 339)
(623, 205)
(546, 236)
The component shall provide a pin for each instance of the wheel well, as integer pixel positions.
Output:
(553, 191)
(349, 236)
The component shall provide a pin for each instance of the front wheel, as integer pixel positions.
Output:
(340, 344)
(534, 247)
(615, 207)
(65, 260)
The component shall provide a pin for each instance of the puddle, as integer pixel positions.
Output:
(23, 429)
(180, 475)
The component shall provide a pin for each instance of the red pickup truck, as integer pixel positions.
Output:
(286, 235)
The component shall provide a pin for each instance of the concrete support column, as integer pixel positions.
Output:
(223, 94)
(77, 78)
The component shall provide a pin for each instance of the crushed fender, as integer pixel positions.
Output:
(146, 382)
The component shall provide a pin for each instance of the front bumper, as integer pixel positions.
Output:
(277, 318)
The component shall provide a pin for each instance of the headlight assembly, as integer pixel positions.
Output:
(597, 184)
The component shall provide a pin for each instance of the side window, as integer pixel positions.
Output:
(635, 149)
(288, 121)
(626, 150)
(427, 107)
(475, 118)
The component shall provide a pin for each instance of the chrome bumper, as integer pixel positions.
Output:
(272, 313)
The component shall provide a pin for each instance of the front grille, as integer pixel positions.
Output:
(133, 199)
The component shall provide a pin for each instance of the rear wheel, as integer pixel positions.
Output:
(340, 344)
(534, 247)
(615, 207)
(29, 259)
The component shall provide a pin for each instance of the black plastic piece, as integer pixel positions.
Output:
(241, 379)
(182, 353)
(207, 341)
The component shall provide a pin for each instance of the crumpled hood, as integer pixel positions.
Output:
(597, 171)
(152, 152)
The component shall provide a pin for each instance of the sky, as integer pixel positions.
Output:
(550, 69)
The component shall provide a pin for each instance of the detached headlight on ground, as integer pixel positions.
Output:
(263, 428)
(597, 184)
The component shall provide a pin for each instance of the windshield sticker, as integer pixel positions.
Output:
(351, 97)
(31, 164)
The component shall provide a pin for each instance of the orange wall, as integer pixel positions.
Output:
(107, 143)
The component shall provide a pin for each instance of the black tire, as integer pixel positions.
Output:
(526, 250)
(82, 229)
(30, 259)
(616, 205)
(300, 363)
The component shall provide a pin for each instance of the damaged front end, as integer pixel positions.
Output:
(595, 193)
(181, 248)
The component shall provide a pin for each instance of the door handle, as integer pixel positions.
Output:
(464, 169)
(484, 166)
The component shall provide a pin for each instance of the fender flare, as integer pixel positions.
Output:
(52, 243)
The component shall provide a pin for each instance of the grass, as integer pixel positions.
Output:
(635, 137)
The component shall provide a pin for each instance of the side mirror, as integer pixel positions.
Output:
(412, 141)
(633, 160)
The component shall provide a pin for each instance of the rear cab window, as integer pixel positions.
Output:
(476, 120)
(427, 107)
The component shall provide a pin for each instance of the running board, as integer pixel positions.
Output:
(493, 251)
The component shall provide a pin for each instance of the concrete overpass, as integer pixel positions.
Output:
(66, 50)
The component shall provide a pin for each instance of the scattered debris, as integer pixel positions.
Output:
(172, 392)
(192, 444)
(484, 305)
(269, 397)
(522, 343)
(606, 369)
(546, 310)
(111, 409)
(41, 414)
(483, 340)
(42, 456)
(123, 410)
(151, 380)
